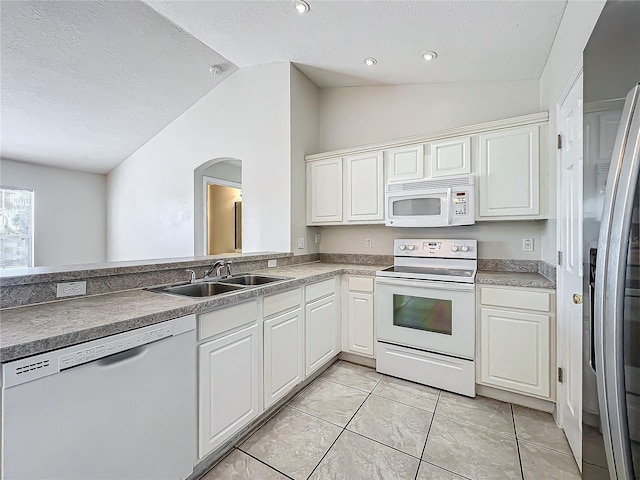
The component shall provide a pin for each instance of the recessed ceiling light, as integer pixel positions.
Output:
(301, 6)
(428, 56)
(370, 61)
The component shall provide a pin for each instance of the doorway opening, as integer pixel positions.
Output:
(223, 207)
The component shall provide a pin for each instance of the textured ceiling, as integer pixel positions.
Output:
(475, 40)
(84, 84)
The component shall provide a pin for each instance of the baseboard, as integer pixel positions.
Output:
(517, 398)
(358, 359)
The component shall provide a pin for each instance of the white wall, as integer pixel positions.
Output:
(69, 212)
(304, 140)
(575, 28)
(151, 194)
(360, 115)
(352, 116)
(495, 239)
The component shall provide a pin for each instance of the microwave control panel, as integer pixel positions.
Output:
(460, 203)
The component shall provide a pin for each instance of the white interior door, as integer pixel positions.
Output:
(570, 270)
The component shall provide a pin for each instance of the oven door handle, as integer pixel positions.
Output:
(397, 282)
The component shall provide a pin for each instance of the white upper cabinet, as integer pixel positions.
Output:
(405, 163)
(509, 173)
(324, 191)
(451, 156)
(364, 188)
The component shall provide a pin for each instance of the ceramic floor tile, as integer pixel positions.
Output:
(352, 375)
(410, 393)
(431, 472)
(594, 472)
(354, 457)
(539, 463)
(593, 446)
(395, 424)
(539, 427)
(292, 442)
(240, 466)
(330, 401)
(480, 411)
(471, 451)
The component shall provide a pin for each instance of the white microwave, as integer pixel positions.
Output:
(431, 203)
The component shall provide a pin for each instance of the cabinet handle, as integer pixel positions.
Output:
(577, 299)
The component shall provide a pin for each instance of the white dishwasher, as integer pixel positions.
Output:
(121, 407)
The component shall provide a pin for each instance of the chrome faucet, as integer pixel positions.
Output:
(217, 267)
(193, 276)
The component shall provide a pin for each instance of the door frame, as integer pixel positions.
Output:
(560, 293)
(211, 181)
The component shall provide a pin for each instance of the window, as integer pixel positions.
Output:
(16, 229)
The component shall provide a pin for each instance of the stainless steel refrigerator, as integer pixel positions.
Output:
(611, 228)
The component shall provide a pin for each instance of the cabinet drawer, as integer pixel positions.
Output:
(320, 289)
(281, 301)
(525, 299)
(360, 284)
(225, 319)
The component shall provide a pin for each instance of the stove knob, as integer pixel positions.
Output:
(402, 247)
(464, 248)
(454, 248)
(411, 247)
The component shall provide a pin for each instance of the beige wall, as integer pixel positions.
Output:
(221, 218)
(360, 115)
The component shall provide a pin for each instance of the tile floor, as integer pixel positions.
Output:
(353, 423)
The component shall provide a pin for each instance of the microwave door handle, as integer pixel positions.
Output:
(449, 206)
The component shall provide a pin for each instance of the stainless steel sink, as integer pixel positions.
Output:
(204, 289)
(251, 280)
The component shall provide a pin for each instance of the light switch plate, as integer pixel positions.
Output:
(71, 289)
(300, 242)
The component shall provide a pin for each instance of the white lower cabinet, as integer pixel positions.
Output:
(230, 374)
(359, 313)
(283, 360)
(322, 324)
(515, 344)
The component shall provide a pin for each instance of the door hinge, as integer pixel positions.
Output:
(559, 141)
(560, 375)
(559, 257)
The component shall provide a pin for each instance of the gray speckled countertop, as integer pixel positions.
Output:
(34, 329)
(514, 279)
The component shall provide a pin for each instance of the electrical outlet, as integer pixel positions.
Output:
(300, 242)
(272, 263)
(71, 289)
(527, 244)
(368, 243)
(317, 238)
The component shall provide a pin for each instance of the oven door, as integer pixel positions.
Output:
(419, 209)
(432, 316)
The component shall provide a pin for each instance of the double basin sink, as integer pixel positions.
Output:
(210, 288)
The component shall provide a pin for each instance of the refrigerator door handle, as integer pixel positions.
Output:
(613, 247)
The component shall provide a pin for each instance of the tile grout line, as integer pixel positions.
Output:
(424, 447)
(559, 452)
(515, 431)
(343, 428)
(265, 463)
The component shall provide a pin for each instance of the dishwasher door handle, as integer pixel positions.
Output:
(122, 358)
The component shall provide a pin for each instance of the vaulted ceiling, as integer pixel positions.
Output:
(85, 84)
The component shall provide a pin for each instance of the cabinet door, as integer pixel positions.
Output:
(364, 187)
(230, 380)
(515, 351)
(321, 333)
(324, 191)
(510, 173)
(450, 157)
(283, 361)
(361, 336)
(405, 163)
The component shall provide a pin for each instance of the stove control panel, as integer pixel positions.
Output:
(415, 247)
